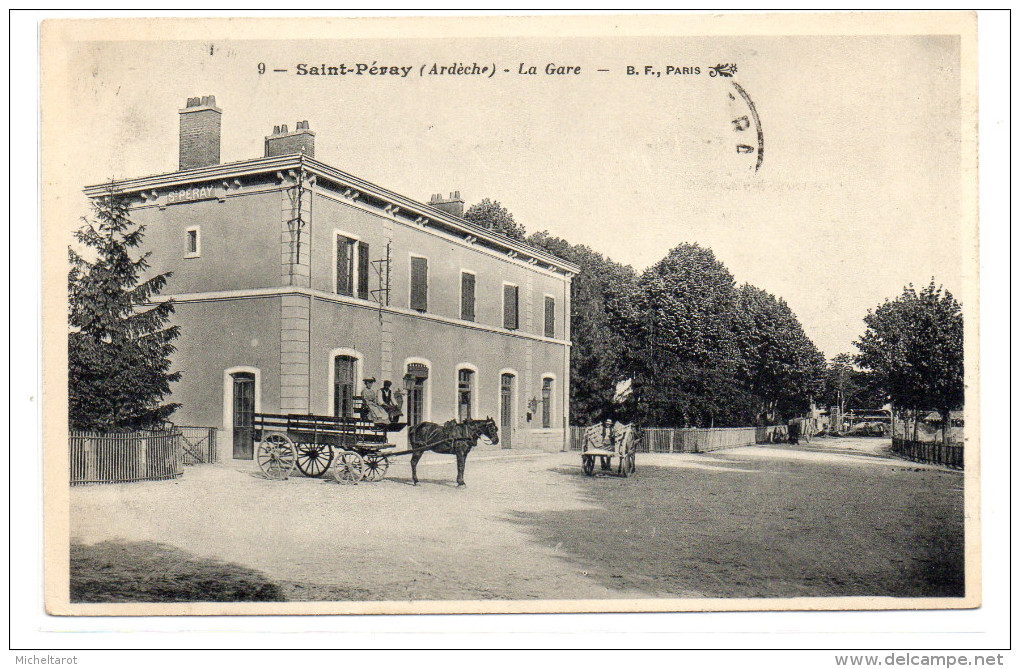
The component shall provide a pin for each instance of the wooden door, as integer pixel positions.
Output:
(343, 386)
(244, 410)
(506, 410)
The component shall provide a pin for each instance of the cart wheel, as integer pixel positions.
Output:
(348, 467)
(276, 456)
(376, 465)
(606, 463)
(588, 464)
(314, 459)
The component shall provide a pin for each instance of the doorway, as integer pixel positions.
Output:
(344, 381)
(244, 413)
(506, 410)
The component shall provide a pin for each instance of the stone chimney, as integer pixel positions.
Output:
(284, 143)
(200, 133)
(453, 205)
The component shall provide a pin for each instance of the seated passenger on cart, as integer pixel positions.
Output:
(391, 401)
(370, 396)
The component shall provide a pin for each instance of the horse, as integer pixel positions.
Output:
(450, 437)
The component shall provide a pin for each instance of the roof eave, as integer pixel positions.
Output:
(297, 161)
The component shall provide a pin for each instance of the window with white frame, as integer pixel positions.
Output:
(467, 295)
(465, 393)
(550, 316)
(419, 298)
(511, 319)
(547, 390)
(194, 242)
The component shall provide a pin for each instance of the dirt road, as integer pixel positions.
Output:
(829, 518)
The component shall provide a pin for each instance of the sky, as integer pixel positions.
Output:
(858, 193)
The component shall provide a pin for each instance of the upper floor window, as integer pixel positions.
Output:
(351, 267)
(194, 242)
(419, 283)
(467, 296)
(550, 316)
(510, 319)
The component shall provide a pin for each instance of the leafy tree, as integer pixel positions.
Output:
(780, 367)
(119, 343)
(848, 387)
(688, 360)
(914, 345)
(603, 301)
(494, 216)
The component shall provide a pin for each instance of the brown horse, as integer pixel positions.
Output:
(450, 437)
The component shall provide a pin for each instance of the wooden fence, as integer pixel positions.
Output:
(198, 444)
(693, 440)
(935, 453)
(131, 456)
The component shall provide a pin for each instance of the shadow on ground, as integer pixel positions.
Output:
(764, 528)
(146, 571)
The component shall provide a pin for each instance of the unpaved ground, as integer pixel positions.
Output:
(834, 517)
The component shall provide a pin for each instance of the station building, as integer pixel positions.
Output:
(293, 280)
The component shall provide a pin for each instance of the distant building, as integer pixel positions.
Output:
(294, 280)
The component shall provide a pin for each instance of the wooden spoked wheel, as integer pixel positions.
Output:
(376, 465)
(348, 467)
(276, 456)
(588, 464)
(314, 459)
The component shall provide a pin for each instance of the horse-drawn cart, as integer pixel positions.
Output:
(608, 443)
(351, 447)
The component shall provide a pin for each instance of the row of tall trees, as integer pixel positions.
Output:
(693, 348)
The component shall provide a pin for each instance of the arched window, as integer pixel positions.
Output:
(465, 392)
(547, 391)
(507, 406)
(344, 376)
(416, 385)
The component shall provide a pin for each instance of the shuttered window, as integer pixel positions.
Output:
(467, 296)
(344, 265)
(550, 316)
(419, 283)
(510, 307)
(363, 270)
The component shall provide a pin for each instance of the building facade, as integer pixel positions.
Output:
(293, 281)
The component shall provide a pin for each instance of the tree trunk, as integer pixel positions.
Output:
(916, 412)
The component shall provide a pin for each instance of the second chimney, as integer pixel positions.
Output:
(283, 143)
(453, 205)
(200, 133)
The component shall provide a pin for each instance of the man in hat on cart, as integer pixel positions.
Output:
(370, 396)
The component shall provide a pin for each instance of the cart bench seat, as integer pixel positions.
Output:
(599, 452)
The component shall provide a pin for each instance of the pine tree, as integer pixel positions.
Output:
(119, 344)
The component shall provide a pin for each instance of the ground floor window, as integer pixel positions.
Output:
(506, 409)
(415, 378)
(547, 388)
(465, 394)
(344, 384)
